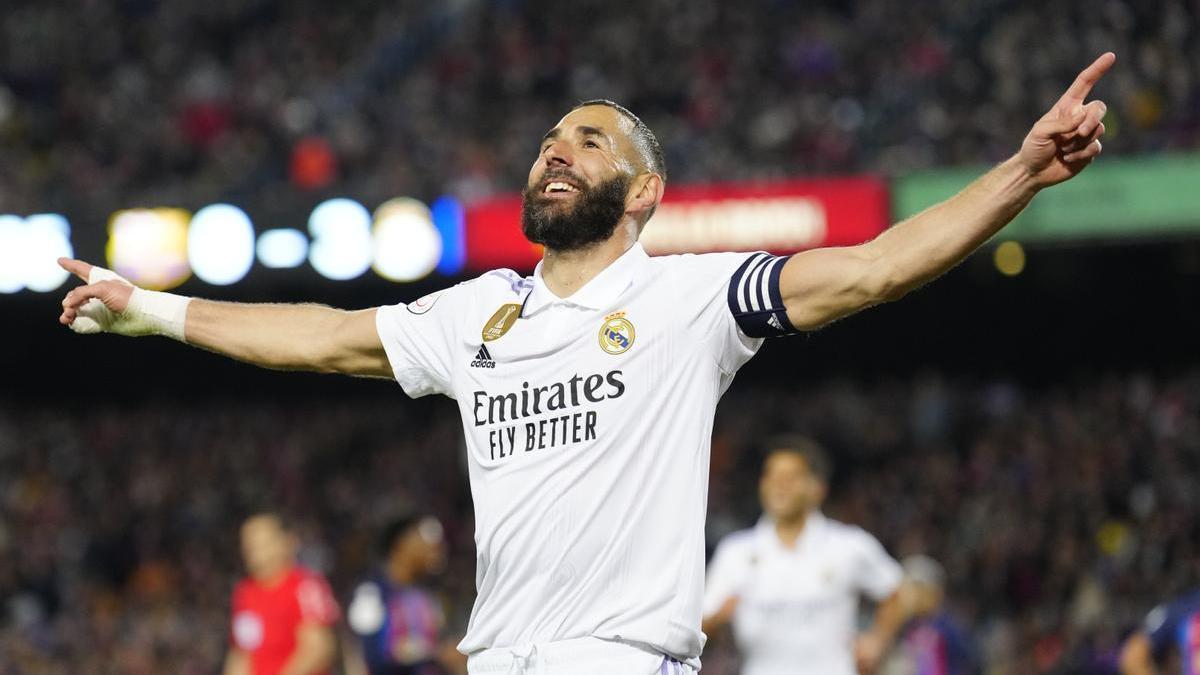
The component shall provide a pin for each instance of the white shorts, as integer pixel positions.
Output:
(581, 656)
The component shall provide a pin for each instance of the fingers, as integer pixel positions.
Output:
(77, 296)
(1080, 141)
(1058, 124)
(1082, 86)
(1076, 130)
(77, 267)
(1093, 114)
(1085, 155)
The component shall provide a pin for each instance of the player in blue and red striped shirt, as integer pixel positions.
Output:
(1172, 625)
(399, 621)
(932, 642)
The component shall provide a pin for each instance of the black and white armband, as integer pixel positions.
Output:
(755, 299)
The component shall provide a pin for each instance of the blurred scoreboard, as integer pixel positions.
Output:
(406, 240)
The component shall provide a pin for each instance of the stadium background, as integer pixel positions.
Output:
(1038, 431)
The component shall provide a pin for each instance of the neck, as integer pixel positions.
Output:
(273, 577)
(568, 271)
(789, 529)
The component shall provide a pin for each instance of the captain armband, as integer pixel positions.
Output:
(755, 300)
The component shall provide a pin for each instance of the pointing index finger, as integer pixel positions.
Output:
(76, 267)
(1082, 86)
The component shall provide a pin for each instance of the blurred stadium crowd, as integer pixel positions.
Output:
(106, 104)
(1062, 513)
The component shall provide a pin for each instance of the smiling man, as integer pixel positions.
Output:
(587, 390)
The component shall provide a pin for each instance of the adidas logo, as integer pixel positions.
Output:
(483, 359)
(773, 322)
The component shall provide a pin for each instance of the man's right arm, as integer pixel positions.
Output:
(279, 336)
(290, 337)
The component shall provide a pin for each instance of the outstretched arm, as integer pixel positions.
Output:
(286, 337)
(823, 285)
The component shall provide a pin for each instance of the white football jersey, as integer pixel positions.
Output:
(798, 607)
(588, 421)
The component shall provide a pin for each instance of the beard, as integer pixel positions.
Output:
(590, 220)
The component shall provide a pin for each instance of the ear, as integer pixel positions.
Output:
(644, 196)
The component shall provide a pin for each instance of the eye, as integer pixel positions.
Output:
(589, 143)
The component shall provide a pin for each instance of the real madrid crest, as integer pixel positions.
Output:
(616, 333)
(501, 321)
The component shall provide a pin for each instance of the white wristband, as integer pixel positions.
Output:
(157, 313)
(148, 312)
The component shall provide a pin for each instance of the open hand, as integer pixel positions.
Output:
(1067, 138)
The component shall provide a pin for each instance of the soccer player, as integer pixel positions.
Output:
(282, 613)
(791, 585)
(1171, 627)
(399, 621)
(932, 643)
(587, 391)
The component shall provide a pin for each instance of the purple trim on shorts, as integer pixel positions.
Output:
(663, 668)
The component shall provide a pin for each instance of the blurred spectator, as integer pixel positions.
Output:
(147, 102)
(1059, 513)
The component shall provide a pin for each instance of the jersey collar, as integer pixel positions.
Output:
(602, 291)
(813, 525)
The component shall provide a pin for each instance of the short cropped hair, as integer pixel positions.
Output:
(813, 454)
(643, 138)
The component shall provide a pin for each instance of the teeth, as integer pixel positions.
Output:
(560, 187)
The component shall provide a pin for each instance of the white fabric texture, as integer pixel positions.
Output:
(588, 457)
(797, 608)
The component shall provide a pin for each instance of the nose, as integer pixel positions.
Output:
(559, 154)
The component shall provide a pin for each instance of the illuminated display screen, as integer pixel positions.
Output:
(405, 240)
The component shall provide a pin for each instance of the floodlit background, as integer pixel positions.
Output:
(1032, 420)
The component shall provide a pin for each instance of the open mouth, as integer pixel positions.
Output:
(559, 187)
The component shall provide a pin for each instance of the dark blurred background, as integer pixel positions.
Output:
(1036, 431)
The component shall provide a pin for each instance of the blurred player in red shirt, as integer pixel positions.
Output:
(282, 613)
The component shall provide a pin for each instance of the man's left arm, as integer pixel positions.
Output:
(872, 645)
(823, 285)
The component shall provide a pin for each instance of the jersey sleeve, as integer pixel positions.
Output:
(420, 338)
(876, 573)
(316, 601)
(725, 575)
(736, 302)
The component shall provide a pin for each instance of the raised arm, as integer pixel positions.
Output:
(285, 337)
(823, 285)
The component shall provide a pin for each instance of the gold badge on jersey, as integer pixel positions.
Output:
(501, 322)
(616, 333)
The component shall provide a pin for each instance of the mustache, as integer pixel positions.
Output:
(552, 174)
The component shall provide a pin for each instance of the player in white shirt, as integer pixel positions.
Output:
(587, 391)
(791, 585)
